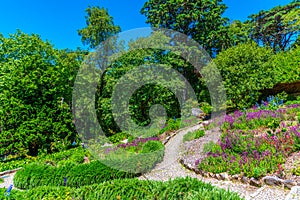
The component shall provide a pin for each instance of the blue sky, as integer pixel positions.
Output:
(59, 20)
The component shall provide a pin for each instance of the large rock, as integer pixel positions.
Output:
(289, 183)
(255, 182)
(197, 112)
(245, 180)
(272, 180)
(224, 176)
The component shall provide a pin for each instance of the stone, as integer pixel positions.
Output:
(218, 176)
(212, 175)
(294, 193)
(244, 179)
(197, 112)
(235, 177)
(205, 174)
(255, 182)
(289, 183)
(272, 180)
(224, 176)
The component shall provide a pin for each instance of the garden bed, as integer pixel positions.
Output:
(253, 148)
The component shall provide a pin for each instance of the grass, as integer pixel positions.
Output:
(193, 135)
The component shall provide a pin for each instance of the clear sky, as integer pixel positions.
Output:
(59, 20)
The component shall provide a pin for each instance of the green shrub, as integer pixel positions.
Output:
(206, 107)
(179, 188)
(118, 137)
(245, 72)
(37, 174)
(152, 146)
(172, 125)
(207, 147)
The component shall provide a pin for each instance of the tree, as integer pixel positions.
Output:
(137, 57)
(201, 20)
(100, 26)
(35, 94)
(238, 33)
(245, 71)
(277, 28)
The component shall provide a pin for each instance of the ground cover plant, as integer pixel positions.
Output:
(180, 188)
(193, 135)
(256, 141)
(137, 156)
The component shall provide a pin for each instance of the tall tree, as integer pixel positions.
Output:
(100, 26)
(35, 93)
(201, 20)
(277, 28)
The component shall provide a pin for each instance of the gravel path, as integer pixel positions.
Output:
(170, 168)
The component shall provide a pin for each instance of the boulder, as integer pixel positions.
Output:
(255, 182)
(245, 180)
(224, 176)
(197, 112)
(235, 177)
(289, 183)
(272, 180)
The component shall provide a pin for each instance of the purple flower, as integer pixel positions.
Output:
(266, 153)
(229, 119)
(233, 158)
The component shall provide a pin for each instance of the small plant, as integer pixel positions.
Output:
(193, 135)
(152, 146)
(208, 147)
(118, 137)
(172, 125)
(206, 107)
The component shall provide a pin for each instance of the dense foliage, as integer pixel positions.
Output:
(35, 174)
(180, 188)
(75, 154)
(35, 94)
(245, 72)
(201, 20)
(99, 27)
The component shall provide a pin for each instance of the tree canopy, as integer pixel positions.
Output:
(278, 27)
(99, 27)
(201, 20)
(35, 94)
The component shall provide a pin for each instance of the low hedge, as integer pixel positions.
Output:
(180, 188)
(36, 174)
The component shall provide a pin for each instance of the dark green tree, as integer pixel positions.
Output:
(278, 27)
(201, 20)
(245, 72)
(35, 93)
